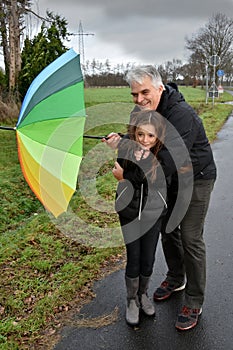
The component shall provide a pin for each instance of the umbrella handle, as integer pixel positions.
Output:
(100, 137)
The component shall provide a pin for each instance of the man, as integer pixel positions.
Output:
(184, 247)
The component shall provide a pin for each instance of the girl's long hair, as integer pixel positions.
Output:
(157, 120)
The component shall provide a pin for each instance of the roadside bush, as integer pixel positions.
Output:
(8, 112)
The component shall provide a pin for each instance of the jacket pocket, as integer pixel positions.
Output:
(126, 203)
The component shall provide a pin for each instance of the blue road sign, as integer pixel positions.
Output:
(220, 73)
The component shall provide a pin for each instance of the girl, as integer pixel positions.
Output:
(140, 203)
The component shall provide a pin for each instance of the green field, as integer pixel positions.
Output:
(105, 95)
(47, 266)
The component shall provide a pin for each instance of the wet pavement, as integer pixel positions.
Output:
(215, 328)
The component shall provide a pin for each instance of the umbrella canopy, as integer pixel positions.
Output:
(50, 132)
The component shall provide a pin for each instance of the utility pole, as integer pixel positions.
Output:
(81, 42)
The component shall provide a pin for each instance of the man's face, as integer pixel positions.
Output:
(146, 95)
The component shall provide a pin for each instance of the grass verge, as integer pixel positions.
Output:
(45, 274)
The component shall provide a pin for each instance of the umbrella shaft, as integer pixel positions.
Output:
(100, 137)
(7, 128)
(93, 137)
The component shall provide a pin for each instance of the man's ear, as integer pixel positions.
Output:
(161, 89)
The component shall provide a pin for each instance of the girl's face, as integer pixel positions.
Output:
(146, 136)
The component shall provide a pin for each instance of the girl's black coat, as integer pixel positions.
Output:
(137, 196)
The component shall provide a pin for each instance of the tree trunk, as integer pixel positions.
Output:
(10, 14)
(13, 24)
(3, 30)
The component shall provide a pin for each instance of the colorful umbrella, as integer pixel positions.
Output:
(50, 132)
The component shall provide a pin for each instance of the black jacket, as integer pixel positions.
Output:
(138, 196)
(190, 127)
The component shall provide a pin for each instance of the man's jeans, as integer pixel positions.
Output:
(184, 248)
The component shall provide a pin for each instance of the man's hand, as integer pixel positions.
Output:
(118, 172)
(112, 140)
(185, 169)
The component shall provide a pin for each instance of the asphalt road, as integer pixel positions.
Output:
(215, 328)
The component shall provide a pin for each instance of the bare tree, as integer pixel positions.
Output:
(215, 38)
(12, 27)
(229, 74)
(170, 70)
(11, 12)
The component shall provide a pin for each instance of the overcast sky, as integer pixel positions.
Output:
(149, 31)
(135, 31)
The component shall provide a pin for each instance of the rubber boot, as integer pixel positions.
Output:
(132, 307)
(146, 305)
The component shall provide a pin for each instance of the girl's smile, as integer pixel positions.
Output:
(146, 136)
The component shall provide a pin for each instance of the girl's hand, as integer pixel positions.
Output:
(118, 172)
(141, 154)
(112, 140)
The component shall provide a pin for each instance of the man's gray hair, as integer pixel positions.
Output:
(138, 73)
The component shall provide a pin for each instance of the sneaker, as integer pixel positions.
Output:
(166, 289)
(188, 318)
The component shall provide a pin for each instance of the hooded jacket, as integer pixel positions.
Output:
(190, 127)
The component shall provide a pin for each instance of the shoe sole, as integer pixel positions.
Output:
(132, 324)
(179, 288)
(168, 295)
(186, 328)
(149, 315)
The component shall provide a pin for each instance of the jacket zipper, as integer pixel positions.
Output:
(140, 204)
(141, 198)
(118, 197)
(163, 199)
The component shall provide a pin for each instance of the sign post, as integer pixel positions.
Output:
(213, 92)
(220, 74)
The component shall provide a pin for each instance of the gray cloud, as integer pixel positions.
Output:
(152, 8)
(167, 9)
(151, 31)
